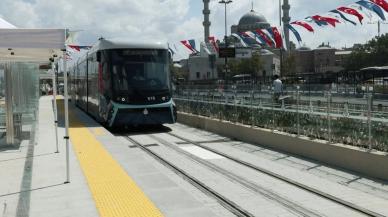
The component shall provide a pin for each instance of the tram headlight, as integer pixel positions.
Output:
(165, 98)
(122, 99)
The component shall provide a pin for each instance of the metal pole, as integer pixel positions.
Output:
(66, 117)
(10, 137)
(252, 97)
(235, 106)
(273, 109)
(55, 106)
(226, 45)
(226, 27)
(328, 115)
(281, 49)
(370, 120)
(225, 2)
(297, 110)
(280, 12)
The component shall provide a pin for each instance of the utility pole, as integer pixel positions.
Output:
(225, 2)
(285, 8)
(379, 22)
(281, 49)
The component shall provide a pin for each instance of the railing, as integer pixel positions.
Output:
(337, 117)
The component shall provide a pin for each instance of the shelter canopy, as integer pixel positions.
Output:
(4, 24)
(31, 44)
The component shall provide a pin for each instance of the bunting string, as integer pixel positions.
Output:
(274, 37)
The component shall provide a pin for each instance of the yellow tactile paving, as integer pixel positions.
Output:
(114, 192)
(98, 131)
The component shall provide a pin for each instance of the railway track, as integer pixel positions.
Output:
(329, 197)
(270, 195)
(225, 202)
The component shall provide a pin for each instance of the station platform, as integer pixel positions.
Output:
(110, 176)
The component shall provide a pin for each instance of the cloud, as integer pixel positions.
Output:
(146, 19)
(168, 20)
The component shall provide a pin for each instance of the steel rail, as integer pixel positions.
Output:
(290, 205)
(285, 179)
(229, 205)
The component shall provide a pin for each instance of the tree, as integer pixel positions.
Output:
(178, 73)
(373, 53)
(289, 65)
(246, 66)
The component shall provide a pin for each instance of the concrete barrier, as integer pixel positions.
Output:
(372, 164)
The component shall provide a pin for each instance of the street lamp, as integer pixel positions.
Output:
(225, 2)
(378, 26)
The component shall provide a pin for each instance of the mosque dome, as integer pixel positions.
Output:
(250, 22)
(304, 48)
(252, 18)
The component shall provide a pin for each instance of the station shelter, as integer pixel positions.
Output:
(22, 51)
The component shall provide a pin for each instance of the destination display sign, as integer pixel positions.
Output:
(227, 52)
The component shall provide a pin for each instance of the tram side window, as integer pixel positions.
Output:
(106, 76)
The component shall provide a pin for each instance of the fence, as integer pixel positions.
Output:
(353, 118)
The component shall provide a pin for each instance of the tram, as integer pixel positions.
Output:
(125, 84)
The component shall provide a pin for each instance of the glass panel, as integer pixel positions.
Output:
(24, 80)
(2, 103)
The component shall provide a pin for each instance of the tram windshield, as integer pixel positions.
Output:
(137, 70)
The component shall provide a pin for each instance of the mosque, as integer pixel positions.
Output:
(207, 66)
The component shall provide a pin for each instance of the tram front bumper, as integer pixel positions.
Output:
(143, 116)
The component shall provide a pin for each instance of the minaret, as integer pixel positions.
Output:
(206, 22)
(286, 20)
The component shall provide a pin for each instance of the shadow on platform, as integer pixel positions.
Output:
(76, 120)
(79, 119)
(4, 147)
(141, 130)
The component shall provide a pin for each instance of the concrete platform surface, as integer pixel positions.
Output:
(110, 176)
(33, 176)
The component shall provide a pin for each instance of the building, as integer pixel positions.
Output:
(271, 65)
(324, 59)
(206, 65)
(304, 60)
(320, 60)
(341, 57)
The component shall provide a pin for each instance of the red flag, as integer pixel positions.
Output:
(351, 11)
(277, 37)
(303, 24)
(265, 37)
(186, 44)
(329, 20)
(381, 3)
(75, 47)
(212, 40)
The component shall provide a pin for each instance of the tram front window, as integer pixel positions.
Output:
(136, 71)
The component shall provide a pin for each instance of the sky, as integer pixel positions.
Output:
(173, 20)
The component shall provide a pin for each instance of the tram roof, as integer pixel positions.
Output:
(107, 44)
